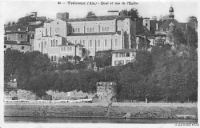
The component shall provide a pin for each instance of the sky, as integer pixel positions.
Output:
(11, 11)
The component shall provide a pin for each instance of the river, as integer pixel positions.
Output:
(92, 120)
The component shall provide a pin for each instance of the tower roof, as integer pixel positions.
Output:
(171, 9)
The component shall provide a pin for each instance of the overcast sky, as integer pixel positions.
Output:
(11, 11)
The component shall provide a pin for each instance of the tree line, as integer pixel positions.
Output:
(164, 74)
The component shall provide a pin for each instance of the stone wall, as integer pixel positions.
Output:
(20, 94)
(106, 91)
(56, 95)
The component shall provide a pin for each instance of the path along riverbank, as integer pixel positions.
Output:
(92, 110)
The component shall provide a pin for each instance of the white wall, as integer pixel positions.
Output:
(121, 57)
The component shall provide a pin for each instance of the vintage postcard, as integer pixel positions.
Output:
(99, 63)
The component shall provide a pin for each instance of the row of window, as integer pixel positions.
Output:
(91, 29)
(97, 42)
(122, 55)
(22, 47)
(43, 44)
(76, 29)
(53, 58)
(121, 62)
(66, 48)
(54, 43)
(105, 29)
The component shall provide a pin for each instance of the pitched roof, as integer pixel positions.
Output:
(98, 18)
(165, 24)
(91, 34)
(19, 32)
(15, 43)
(23, 28)
(15, 28)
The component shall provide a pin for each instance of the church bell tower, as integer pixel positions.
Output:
(171, 12)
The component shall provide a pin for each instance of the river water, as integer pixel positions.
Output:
(92, 120)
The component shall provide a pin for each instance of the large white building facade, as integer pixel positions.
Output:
(94, 34)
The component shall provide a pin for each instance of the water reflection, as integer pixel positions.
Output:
(92, 120)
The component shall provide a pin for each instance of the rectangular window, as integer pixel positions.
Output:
(116, 54)
(75, 41)
(90, 43)
(98, 43)
(56, 42)
(22, 48)
(115, 42)
(105, 43)
(127, 54)
(83, 42)
(54, 58)
(51, 58)
(116, 63)
(52, 43)
(69, 48)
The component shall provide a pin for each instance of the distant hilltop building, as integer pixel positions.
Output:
(20, 35)
(63, 16)
(94, 34)
(167, 25)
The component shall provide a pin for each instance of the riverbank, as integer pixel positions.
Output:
(100, 110)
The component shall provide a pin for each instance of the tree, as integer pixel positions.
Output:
(191, 37)
(38, 85)
(13, 59)
(90, 15)
(144, 62)
(104, 59)
(65, 66)
(123, 13)
(81, 65)
(178, 37)
(171, 75)
(133, 13)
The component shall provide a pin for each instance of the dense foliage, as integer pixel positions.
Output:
(164, 74)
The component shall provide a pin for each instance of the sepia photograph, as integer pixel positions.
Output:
(100, 62)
